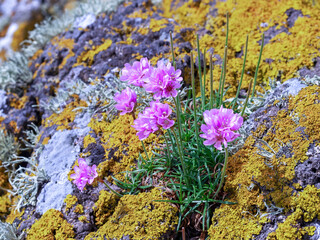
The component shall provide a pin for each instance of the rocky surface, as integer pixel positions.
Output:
(273, 177)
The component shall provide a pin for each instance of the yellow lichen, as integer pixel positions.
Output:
(139, 217)
(247, 167)
(104, 207)
(70, 201)
(306, 206)
(83, 218)
(122, 146)
(78, 209)
(87, 140)
(66, 117)
(88, 56)
(51, 226)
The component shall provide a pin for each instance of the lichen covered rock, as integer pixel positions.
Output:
(139, 217)
(269, 177)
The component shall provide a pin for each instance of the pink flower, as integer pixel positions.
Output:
(162, 113)
(138, 73)
(164, 81)
(220, 127)
(126, 101)
(84, 174)
(153, 117)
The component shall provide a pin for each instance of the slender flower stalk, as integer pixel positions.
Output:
(194, 103)
(113, 191)
(242, 73)
(223, 173)
(257, 68)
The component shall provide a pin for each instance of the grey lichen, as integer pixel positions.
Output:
(14, 73)
(9, 232)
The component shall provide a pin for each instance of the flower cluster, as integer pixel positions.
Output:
(153, 117)
(137, 73)
(83, 174)
(163, 81)
(220, 127)
(126, 101)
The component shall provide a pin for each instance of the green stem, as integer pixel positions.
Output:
(223, 173)
(257, 68)
(242, 73)
(181, 158)
(167, 151)
(113, 191)
(224, 74)
(204, 75)
(211, 83)
(145, 151)
(200, 75)
(247, 98)
(173, 58)
(194, 102)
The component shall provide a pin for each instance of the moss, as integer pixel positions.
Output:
(70, 201)
(139, 217)
(51, 226)
(122, 146)
(104, 207)
(251, 182)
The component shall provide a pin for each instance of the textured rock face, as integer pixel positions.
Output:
(274, 177)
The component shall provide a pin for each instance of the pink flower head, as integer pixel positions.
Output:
(164, 81)
(84, 174)
(126, 101)
(220, 127)
(162, 113)
(154, 116)
(138, 73)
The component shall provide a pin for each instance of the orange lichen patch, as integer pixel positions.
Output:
(104, 207)
(122, 146)
(139, 217)
(87, 140)
(21, 33)
(66, 117)
(62, 43)
(45, 140)
(87, 57)
(13, 125)
(18, 103)
(253, 180)
(50, 226)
